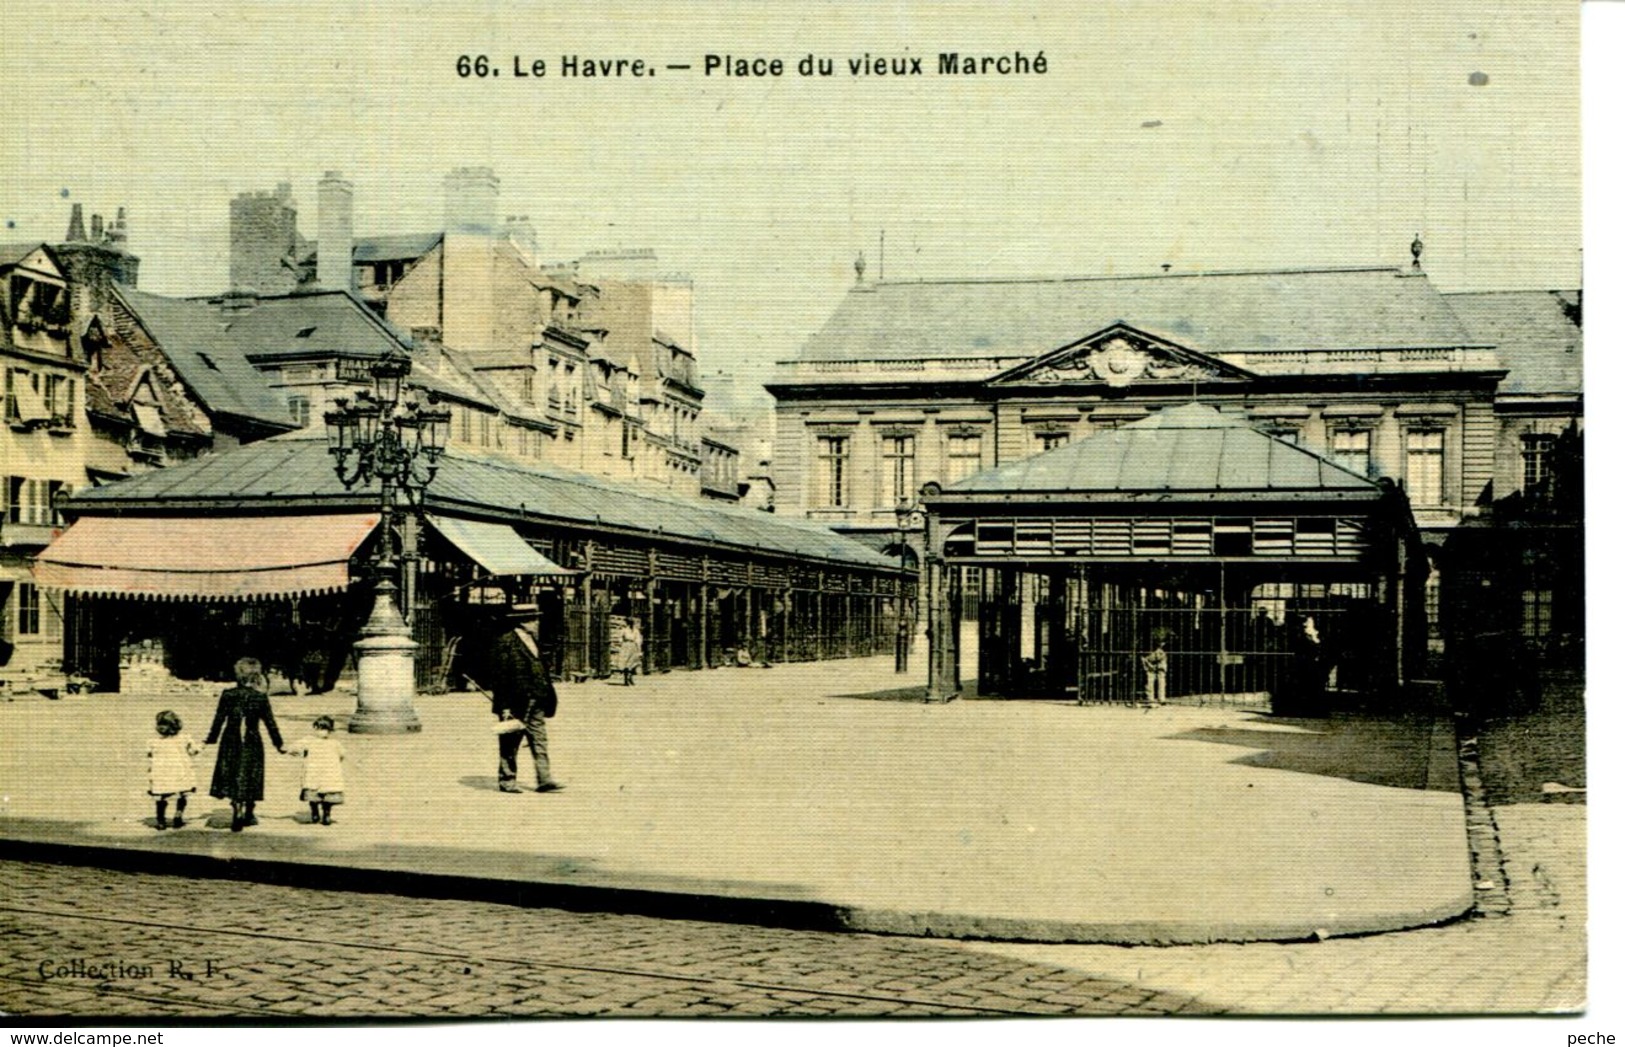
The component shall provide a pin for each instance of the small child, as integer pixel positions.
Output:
(169, 767)
(324, 770)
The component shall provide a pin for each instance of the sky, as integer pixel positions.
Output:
(1200, 136)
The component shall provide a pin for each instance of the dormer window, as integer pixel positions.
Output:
(37, 305)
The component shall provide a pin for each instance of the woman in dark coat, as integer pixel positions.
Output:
(239, 769)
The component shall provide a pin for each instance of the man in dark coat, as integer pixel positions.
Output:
(522, 692)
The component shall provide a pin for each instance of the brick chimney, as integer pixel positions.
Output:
(265, 241)
(335, 233)
(467, 305)
(93, 263)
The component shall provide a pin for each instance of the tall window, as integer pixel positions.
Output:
(299, 409)
(18, 384)
(1285, 433)
(897, 453)
(964, 455)
(59, 399)
(1049, 441)
(1351, 448)
(1537, 613)
(27, 609)
(834, 471)
(1424, 466)
(1537, 459)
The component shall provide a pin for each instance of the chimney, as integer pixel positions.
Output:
(426, 349)
(76, 224)
(117, 233)
(523, 237)
(471, 200)
(467, 297)
(95, 228)
(264, 241)
(335, 233)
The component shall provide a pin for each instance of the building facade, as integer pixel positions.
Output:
(933, 382)
(590, 365)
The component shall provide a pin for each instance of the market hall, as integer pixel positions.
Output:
(259, 549)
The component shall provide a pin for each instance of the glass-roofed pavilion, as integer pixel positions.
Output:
(1184, 556)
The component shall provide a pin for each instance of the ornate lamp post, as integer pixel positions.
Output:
(905, 619)
(399, 443)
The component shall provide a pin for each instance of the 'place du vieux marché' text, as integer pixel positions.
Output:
(731, 66)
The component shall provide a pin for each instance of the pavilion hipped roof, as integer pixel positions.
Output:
(1189, 450)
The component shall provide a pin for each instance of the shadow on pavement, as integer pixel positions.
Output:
(1537, 756)
(1393, 753)
(895, 694)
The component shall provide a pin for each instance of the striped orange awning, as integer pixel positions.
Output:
(204, 558)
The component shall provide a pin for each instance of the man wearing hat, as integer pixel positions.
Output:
(522, 697)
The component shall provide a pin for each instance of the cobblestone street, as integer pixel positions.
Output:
(289, 952)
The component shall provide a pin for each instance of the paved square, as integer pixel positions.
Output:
(1030, 820)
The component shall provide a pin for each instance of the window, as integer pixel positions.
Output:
(1049, 441)
(1285, 433)
(1537, 613)
(527, 387)
(485, 429)
(964, 455)
(1351, 448)
(27, 609)
(834, 474)
(897, 453)
(1432, 593)
(1537, 459)
(55, 492)
(59, 399)
(23, 402)
(1424, 466)
(299, 409)
(31, 501)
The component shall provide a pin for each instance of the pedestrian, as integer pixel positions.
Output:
(629, 650)
(169, 768)
(522, 697)
(1155, 663)
(323, 784)
(239, 768)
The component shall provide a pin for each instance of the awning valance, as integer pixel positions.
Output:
(204, 558)
(495, 547)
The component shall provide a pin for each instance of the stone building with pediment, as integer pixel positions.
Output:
(912, 383)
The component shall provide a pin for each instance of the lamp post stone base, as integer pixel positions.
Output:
(385, 672)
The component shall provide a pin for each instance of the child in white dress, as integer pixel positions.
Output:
(169, 768)
(324, 770)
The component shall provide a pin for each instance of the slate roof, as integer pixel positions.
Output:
(1212, 312)
(323, 323)
(295, 470)
(393, 248)
(1534, 334)
(206, 356)
(1192, 448)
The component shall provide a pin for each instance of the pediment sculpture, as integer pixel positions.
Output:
(1120, 362)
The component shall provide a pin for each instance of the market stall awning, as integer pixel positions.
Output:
(495, 547)
(204, 558)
